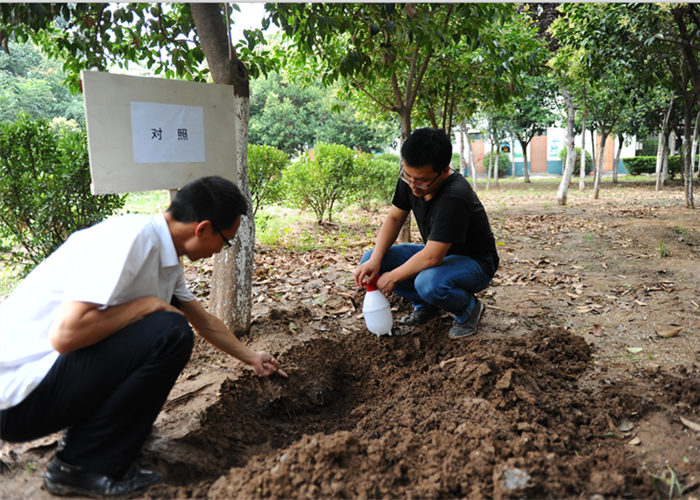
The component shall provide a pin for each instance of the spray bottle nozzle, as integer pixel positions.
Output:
(371, 285)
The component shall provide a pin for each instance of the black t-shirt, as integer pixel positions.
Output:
(453, 215)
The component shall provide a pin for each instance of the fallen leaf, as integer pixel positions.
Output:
(292, 326)
(640, 303)
(670, 333)
(690, 424)
(635, 442)
(597, 330)
(635, 350)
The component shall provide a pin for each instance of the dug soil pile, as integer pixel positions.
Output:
(567, 390)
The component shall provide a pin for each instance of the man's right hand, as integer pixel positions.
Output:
(366, 272)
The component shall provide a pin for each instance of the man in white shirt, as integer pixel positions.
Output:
(90, 342)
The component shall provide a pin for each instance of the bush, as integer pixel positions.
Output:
(328, 179)
(577, 168)
(647, 165)
(377, 180)
(45, 188)
(456, 165)
(265, 166)
(503, 164)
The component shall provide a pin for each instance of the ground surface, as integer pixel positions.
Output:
(567, 391)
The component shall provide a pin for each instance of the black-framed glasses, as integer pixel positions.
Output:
(419, 185)
(228, 243)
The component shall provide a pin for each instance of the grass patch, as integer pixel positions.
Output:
(146, 203)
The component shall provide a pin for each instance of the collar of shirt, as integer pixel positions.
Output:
(168, 254)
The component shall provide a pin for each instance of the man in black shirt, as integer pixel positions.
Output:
(458, 256)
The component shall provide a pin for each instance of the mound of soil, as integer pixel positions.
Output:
(567, 390)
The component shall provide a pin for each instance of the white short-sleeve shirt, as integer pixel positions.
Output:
(111, 263)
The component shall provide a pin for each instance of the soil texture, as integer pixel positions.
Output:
(582, 381)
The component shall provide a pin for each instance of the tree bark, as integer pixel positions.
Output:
(462, 162)
(616, 160)
(231, 287)
(670, 151)
(488, 176)
(498, 162)
(663, 137)
(593, 149)
(582, 180)
(472, 163)
(687, 168)
(599, 167)
(526, 167)
(563, 191)
(693, 153)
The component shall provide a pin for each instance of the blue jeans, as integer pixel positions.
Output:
(450, 286)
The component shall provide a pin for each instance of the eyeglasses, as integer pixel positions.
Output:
(228, 243)
(419, 185)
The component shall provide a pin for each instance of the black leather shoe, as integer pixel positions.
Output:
(64, 479)
(420, 316)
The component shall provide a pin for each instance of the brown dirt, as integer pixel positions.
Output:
(567, 391)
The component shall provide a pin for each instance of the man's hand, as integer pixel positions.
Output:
(366, 272)
(386, 284)
(265, 365)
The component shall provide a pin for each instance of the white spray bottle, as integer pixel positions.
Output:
(376, 310)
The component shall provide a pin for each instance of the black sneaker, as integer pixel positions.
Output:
(420, 316)
(467, 328)
(64, 479)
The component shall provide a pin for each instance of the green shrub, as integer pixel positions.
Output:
(456, 165)
(647, 165)
(503, 164)
(329, 179)
(45, 189)
(577, 167)
(265, 166)
(377, 180)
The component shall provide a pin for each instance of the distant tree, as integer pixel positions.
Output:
(534, 114)
(33, 84)
(292, 117)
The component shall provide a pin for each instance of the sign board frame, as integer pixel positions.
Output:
(111, 141)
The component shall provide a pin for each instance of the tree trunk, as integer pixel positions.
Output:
(582, 180)
(616, 161)
(599, 167)
(231, 287)
(462, 162)
(472, 163)
(593, 148)
(670, 141)
(498, 162)
(563, 190)
(663, 137)
(405, 233)
(526, 167)
(490, 172)
(687, 163)
(693, 152)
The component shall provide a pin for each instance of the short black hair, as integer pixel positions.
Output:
(211, 198)
(427, 146)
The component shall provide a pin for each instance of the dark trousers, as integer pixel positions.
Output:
(108, 394)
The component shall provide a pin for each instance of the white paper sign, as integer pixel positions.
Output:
(167, 133)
